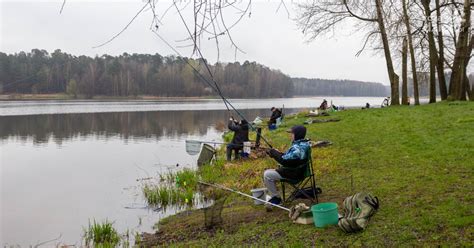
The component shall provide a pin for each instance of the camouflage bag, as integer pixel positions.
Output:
(357, 212)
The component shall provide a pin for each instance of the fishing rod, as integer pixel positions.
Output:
(216, 88)
(210, 142)
(240, 193)
(200, 54)
(210, 85)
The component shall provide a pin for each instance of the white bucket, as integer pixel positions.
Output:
(260, 194)
(247, 147)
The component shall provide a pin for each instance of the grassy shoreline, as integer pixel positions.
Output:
(418, 161)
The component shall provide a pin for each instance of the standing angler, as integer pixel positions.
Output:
(241, 135)
(276, 113)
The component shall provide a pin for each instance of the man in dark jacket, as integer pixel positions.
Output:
(324, 105)
(292, 162)
(241, 134)
(276, 113)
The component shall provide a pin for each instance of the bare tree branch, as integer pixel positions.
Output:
(365, 43)
(356, 16)
(62, 7)
(125, 28)
(282, 2)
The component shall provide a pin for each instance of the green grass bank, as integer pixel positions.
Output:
(418, 160)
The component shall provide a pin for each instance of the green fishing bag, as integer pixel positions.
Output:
(357, 212)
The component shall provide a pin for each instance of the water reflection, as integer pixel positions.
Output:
(46, 189)
(126, 125)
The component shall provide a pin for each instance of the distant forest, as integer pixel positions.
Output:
(327, 87)
(38, 72)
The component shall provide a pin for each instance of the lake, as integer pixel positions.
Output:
(65, 163)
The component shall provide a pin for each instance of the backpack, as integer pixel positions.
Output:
(357, 212)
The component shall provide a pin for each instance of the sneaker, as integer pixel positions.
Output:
(275, 200)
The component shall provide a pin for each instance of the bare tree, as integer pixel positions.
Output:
(457, 90)
(406, 19)
(440, 60)
(466, 83)
(322, 16)
(432, 50)
(394, 78)
(404, 73)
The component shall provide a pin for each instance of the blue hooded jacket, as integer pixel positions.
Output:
(293, 162)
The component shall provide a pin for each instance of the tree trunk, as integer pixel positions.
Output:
(394, 79)
(412, 54)
(432, 49)
(467, 86)
(471, 96)
(404, 73)
(443, 91)
(466, 83)
(456, 90)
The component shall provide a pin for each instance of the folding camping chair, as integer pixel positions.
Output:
(299, 186)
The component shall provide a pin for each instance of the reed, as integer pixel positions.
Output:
(176, 188)
(101, 235)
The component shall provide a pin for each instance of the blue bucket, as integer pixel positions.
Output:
(325, 214)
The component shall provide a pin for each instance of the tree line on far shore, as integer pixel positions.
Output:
(39, 72)
(328, 87)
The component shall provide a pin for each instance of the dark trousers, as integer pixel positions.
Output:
(233, 147)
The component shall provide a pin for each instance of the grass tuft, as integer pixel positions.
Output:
(101, 235)
(177, 188)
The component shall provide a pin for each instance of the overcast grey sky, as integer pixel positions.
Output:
(268, 37)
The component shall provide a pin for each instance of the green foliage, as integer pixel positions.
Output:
(175, 188)
(138, 239)
(227, 136)
(186, 178)
(71, 88)
(101, 235)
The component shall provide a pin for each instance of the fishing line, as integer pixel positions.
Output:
(226, 102)
(212, 86)
(196, 47)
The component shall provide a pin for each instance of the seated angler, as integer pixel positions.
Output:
(292, 162)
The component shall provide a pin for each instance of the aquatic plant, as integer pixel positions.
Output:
(138, 238)
(101, 235)
(178, 188)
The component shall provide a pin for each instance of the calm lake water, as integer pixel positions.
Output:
(63, 163)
